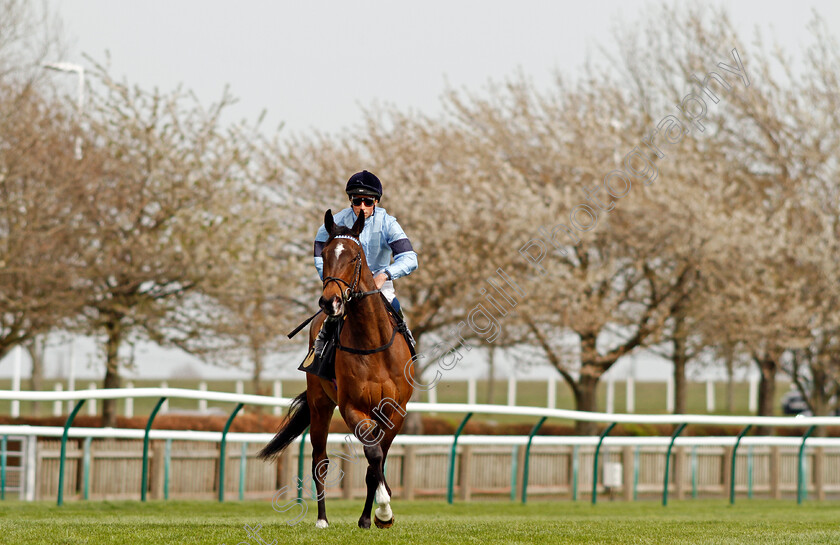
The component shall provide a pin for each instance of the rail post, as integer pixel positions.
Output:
(86, 468)
(300, 463)
(801, 489)
(145, 479)
(732, 470)
(167, 462)
(222, 453)
(514, 463)
(595, 463)
(534, 431)
(243, 472)
(450, 488)
(3, 446)
(63, 458)
(674, 436)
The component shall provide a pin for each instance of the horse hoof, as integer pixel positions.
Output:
(383, 524)
(364, 523)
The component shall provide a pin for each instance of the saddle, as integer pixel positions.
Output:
(321, 362)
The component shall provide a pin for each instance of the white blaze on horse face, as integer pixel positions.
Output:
(383, 512)
(338, 249)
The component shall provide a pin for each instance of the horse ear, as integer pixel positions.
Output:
(329, 224)
(360, 224)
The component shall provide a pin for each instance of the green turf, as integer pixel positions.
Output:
(695, 522)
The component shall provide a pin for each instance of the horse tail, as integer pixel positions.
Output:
(296, 422)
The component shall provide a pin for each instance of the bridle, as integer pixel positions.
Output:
(350, 294)
(347, 295)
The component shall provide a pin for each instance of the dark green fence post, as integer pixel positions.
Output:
(694, 471)
(801, 489)
(450, 489)
(243, 472)
(636, 473)
(732, 471)
(63, 458)
(86, 468)
(300, 463)
(595, 463)
(167, 462)
(514, 466)
(3, 447)
(145, 479)
(674, 436)
(534, 431)
(222, 453)
(749, 472)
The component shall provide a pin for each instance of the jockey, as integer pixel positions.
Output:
(381, 238)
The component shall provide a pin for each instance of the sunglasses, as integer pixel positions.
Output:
(357, 201)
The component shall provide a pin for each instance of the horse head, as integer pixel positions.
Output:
(344, 265)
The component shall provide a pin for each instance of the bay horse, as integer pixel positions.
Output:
(371, 388)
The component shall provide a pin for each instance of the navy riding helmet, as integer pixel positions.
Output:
(364, 183)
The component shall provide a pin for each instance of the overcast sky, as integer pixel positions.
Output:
(313, 65)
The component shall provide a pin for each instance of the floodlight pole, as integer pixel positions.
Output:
(80, 98)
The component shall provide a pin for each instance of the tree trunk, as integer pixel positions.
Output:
(680, 359)
(256, 376)
(730, 383)
(35, 347)
(680, 386)
(491, 375)
(819, 398)
(820, 407)
(114, 332)
(766, 391)
(586, 399)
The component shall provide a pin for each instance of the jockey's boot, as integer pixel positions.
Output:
(320, 344)
(403, 327)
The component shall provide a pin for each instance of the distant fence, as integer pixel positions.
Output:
(628, 395)
(122, 463)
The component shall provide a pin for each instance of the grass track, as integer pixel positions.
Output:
(696, 522)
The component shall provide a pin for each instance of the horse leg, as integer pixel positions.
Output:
(383, 516)
(377, 488)
(321, 411)
(365, 431)
(376, 439)
(373, 480)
